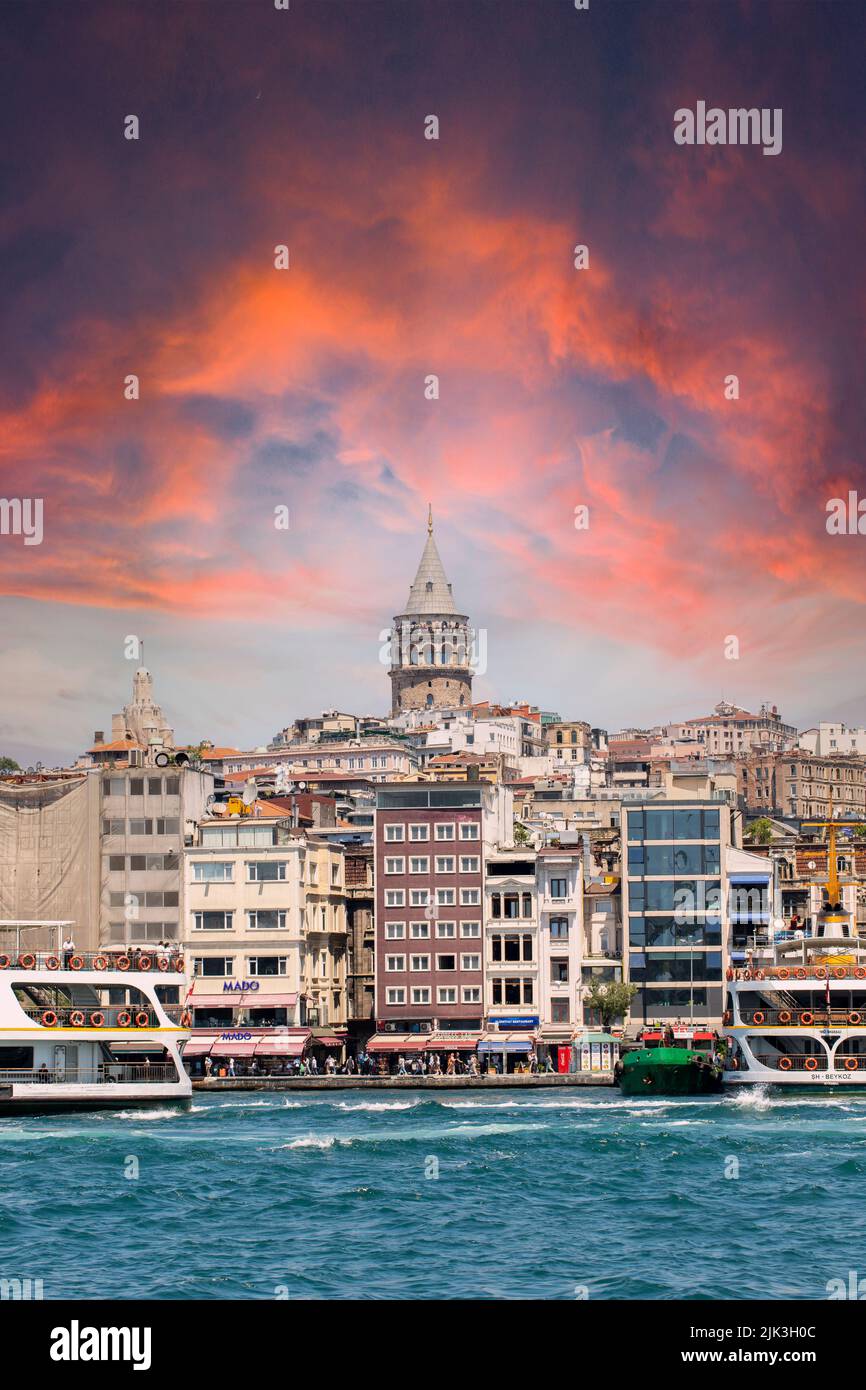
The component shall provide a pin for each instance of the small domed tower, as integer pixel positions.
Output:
(431, 642)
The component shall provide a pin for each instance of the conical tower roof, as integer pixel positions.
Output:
(430, 592)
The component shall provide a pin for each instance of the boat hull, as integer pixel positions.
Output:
(668, 1071)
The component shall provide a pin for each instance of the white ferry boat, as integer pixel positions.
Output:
(86, 1029)
(796, 1013)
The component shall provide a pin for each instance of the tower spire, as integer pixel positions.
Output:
(429, 518)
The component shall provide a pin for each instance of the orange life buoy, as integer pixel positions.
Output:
(800, 973)
(97, 1019)
(123, 962)
(186, 1019)
(76, 1018)
(100, 963)
(747, 974)
(124, 1018)
(784, 1016)
(49, 1019)
(854, 1018)
(142, 1018)
(27, 960)
(758, 1016)
(178, 965)
(840, 972)
(784, 1064)
(726, 1016)
(5, 962)
(806, 1018)
(820, 973)
(729, 974)
(850, 1064)
(162, 963)
(76, 963)
(784, 973)
(52, 963)
(145, 963)
(811, 1064)
(860, 973)
(759, 974)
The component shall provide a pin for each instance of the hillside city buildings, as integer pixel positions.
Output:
(456, 876)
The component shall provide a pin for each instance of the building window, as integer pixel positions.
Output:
(210, 871)
(446, 929)
(269, 920)
(446, 994)
(395, 897)
(212, 921)
(446, 962)
(470, 897)
(419, 963)
(419, 897)
(419, 832)
(516, 946)
(470, 962)
(393, 833)
(395, 965)
(470, 929)
(395, 996)
(395, 931)
(445, 863)
(395, 866)
(267, 965)
(266, 871)
(471, 994)
(445, 830)
(559, 928)
(560, 1011)
(419, 865)
(419, 930)
(511, 991)
(559, 972)
(421, 994)
(469, 830)
(559, 888)
(212, 965)
(470, 864)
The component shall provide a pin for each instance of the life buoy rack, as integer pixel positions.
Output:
(785, 1064)
(162, 963)
(52, 963)
(854, 1018)
(76, 963)
(145, 963)
(186, 1019)
(758, 1016)
(77, 1019)
(811, 1064)
(124, 1019)
(807, 1018)
(97, 1019)
(800, 973)
(850, 1064)
(27, 960)
(100, 963)
(840, 972)
(860, 973)
(820, 973)
(49, 1019)
(785, 1016)
(784, 973)
(5, 962)
(142, 1018)
(123, 962)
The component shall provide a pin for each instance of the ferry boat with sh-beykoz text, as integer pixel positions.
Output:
(795, 1015)
(90, 1033)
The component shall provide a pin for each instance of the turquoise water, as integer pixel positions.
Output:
(544, 1195)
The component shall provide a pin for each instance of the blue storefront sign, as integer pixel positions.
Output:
(236, 986)
(510, 1023)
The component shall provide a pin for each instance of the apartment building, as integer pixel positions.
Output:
(265, 935)
(146, 815)
(801, 784)
(675, 907)
(511, 957)
(730, 730)
(828, 740)
(430, 841)
(559, 877)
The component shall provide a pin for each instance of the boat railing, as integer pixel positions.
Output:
(105, 1073)
(803, 1018)
(159, 962)
(126, 1016)
(794, 1062)
(798, 971)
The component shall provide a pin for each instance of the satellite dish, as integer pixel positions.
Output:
(301, 786)
(180, 759)
(211, 799)
(161, 760)
(249, 793)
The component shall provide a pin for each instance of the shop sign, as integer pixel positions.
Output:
(239, 986)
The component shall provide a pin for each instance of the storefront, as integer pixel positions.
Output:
(595, 1052)
(509, 1043)
(245, 1051)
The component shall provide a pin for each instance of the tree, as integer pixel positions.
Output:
(612, 998)
(760, 832)
(521, 834)
(9, 765)
(860, 832)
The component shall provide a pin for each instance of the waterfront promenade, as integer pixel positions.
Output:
(396, 1083)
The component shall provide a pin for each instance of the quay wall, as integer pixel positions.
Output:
(396, 1083)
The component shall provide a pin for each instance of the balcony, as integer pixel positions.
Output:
(795, 1062)
(103, 1074)
(98, 1017)
(803, 1018)
(122, 960)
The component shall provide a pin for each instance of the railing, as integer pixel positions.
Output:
(798, 1062)
(804, 1018)
(104, 1073)
(160, 962)
(112, 1016)
(799, 971)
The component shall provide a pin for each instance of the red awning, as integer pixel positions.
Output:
(391, 1042)
(282, 1045)
(328, 1041)
(245, 1047)
(199, 1047)
(703, 1037)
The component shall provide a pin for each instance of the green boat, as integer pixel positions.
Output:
(669, 1071)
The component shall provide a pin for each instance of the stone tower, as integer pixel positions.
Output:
(430, 643)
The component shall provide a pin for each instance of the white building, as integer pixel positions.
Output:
(828, 739)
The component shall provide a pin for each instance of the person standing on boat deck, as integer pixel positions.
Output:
(68, 949)
(208, 1066)
(231, 1066)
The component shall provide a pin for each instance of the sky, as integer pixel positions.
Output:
(304, 388)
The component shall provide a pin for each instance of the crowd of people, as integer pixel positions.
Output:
(375, 1065)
